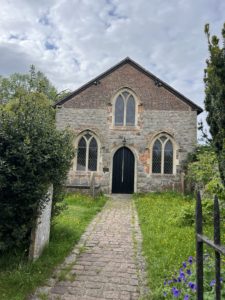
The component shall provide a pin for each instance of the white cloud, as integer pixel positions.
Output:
(72, 41)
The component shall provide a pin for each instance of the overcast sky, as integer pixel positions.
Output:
(75, 40)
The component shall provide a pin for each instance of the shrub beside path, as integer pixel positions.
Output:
(106, 263)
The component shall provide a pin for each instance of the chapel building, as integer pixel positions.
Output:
(132, 131)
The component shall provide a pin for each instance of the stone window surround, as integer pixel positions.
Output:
(175, 151)
(137, 103)
(78, 138)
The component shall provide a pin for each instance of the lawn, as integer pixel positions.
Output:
(18, 278)
(165, 244)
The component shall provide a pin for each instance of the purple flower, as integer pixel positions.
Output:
(175, 292)
(182, 275)
(184, 264)
(164, 294)
(186, 297)
(188, 272)
(165, 282)
(213, 282)
(190, 260)
(192, 285)
(170, 281)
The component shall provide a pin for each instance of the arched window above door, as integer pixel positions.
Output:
(125, 109)
(87, 153)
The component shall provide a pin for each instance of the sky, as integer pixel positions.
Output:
(74, 41)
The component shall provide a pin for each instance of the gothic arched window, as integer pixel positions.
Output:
(162, 156)
(125, 109)
(87, 153)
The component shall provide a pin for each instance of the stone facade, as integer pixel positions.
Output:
(159, 109)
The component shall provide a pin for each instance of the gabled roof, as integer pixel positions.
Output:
(128, 60)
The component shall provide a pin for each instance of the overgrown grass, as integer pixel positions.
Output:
(18, 278)
(165, 244)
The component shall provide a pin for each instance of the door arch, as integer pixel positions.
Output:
(123, 171)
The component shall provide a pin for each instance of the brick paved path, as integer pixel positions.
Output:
(107, 262)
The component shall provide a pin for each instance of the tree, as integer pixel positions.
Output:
(17, 85)
(215, 96)
(34, 154)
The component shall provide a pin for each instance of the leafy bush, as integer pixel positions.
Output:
(186, 214)
(203, 172)
(34, 154)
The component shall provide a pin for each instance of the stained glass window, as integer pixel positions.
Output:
(168, 158)
(157, 157)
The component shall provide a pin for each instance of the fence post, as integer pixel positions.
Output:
(217, 242)
(199, 248)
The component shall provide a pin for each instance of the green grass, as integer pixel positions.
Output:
(165, 244)
(18, 278)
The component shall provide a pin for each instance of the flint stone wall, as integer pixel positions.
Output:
(182, 126)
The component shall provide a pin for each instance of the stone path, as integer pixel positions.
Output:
(107, 262)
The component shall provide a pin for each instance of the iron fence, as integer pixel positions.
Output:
(215, 244)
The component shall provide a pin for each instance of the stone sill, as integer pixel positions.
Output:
(86, 173)
(163, 175)
(125, 128)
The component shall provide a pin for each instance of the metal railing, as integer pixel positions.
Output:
(215, 244)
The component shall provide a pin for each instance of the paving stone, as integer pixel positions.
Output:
(58, 289)
(111, 294)
(109, 266)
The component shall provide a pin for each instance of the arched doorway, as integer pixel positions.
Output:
(123, 171)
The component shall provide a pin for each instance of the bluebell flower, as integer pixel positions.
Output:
(170, 281)
(165, 282)
(164, 294)
(184, 264)
(186, 297)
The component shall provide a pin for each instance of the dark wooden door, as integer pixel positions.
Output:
(123, 171)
